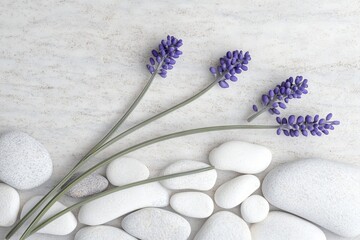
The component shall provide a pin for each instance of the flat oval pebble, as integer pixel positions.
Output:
(224, 226)
(9, 205)
(199, 181)
(254, 209)
(90, 185)
(240, 157)
(324, 192)
(126, 170)
(284, 226)
(156, 224)
(117, 204)
(235, 191)
(60, 226)
(192, 204)
(102, 233)
(25, 163)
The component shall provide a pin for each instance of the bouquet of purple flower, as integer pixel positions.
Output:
(161, 61)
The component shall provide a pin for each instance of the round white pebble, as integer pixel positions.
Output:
(192, 204)
(126, 170)
(240, 157)
(202, 181)
(235, 191)
(254, 209)
(60, 226)
(9, 205)
(25, 163)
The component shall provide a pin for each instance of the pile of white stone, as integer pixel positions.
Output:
(310, 192)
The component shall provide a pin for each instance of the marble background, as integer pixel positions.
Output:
(69, 69)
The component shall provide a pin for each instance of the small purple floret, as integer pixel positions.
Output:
(168, 50)
(293, 126)
(231, 64)
(282, 93)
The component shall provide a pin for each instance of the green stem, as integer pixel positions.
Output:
(83, 160)
(255, 115)
(132, 149)
(116, 189)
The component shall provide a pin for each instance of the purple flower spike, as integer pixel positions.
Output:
(293, 126)
(165, 56)
(278, 97)
(231, 64)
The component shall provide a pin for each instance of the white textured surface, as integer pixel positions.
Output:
(61, 226)
(202, 181)
(324, 192)
(192, 204)
(284, 226)
(25, 162)
(126, 170)
(9, 205)
(254, 209)
(102, 232)
(224, 226)
(240, 157)
(156, 224)
(117, 204)
(68, 69)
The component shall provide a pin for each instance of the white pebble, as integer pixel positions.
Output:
(9, 205)
(25, 163)
(92, 184)
(199, 181)
(224, 226)
(102, 233)
(254, 209)
(60, 226)
(192, 204)
(324, 192)
(117, 204)
(284, 226)
(240, 157)
(126, 170)
(235, 191)
(156, 224)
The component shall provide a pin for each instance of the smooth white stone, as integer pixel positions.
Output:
(324, 192)
(90, 185)
(156, 224)
(235, 191)
(102, 233)
(240, 157)
(25, 163)
(126, 170)
(9, 205)
(254, 209)
(119, 203)
(224, 226)
(284, 226)
(192, 204)
(199, 181)
(60, 226)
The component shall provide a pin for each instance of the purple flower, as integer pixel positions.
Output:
(163, 58)
(231, 64)
(316, 126)
(278, 97)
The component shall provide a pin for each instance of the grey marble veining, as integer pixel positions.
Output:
(69, 69)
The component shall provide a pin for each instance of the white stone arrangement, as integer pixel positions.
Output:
(310, 193)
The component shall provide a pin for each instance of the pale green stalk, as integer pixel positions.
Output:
(83, 160)
(116, 189)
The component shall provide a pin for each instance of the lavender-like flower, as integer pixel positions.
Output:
(316, 126)
(162, 59)
(231, 64)
(281, 95)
